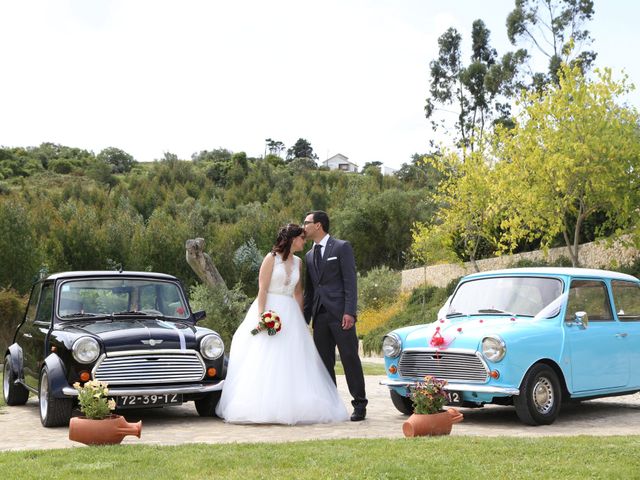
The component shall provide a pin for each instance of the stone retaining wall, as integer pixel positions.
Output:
(598, 254)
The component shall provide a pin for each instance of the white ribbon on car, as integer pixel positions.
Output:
(183, 342)
(553, 308)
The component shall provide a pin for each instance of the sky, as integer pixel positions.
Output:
(182, 76)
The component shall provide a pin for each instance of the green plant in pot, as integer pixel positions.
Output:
(99, 426)
(428, 396)
(93, 399)
(429, 418)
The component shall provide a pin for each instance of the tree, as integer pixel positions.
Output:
(420, 173)
(476, 91)
(215, 155)
(553, 27)
(274, 146)
(378, 225)
(19, 250)
(574, 153)
(120, 161)
(467, 216)
(102, 172)
(301, 149)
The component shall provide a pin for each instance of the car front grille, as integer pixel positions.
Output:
(134, 368)
(446, 365)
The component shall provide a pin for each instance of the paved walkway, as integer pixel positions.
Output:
(21, 429)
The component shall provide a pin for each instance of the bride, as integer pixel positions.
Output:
(279, 378)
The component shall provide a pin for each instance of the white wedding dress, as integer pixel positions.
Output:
(279, 378)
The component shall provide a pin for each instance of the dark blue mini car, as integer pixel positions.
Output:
(133, 330)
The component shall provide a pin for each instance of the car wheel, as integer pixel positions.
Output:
(206, 406)
(402, 403)
(14, 393)
(540, 396)
(54, 412)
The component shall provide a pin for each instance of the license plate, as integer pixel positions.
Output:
(132, 401)
(454, 398)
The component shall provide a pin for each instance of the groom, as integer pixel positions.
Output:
(330, 298)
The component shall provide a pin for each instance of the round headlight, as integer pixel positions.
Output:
(493, 348)
(211, 347)
(85, 349)
(391, 345)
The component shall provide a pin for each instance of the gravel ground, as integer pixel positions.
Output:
(22, 430)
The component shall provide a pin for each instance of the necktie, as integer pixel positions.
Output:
(317, 256)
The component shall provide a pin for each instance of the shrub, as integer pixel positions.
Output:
(421, 307)
(12, 308)
(372, 318)
(225, 309)
(380, 287)
(562, 261)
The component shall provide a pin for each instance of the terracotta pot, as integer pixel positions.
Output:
(108, 431)
(431, 424)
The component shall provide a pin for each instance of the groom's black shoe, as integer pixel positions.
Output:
(358, 414)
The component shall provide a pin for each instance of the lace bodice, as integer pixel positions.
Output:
(285, 275)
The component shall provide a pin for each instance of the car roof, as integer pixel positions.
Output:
(555, 271)
(108, 273)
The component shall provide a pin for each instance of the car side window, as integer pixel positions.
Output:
(626, 298)
(589, 296)
(32, 307)
(45, 306)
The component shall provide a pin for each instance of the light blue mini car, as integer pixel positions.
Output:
(528, 337)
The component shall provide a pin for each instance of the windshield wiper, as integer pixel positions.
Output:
(455, 314)
(495, 310)
(137, 313)
(91, 315)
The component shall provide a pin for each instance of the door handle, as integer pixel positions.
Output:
(621, 335)
(27, 335)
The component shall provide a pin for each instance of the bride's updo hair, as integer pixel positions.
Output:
(284, 239)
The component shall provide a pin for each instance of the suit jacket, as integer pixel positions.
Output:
(334, 284)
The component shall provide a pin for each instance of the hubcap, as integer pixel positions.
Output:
(44, 395)
(5, 378)
(543, 396)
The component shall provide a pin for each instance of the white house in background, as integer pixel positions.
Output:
(340, 162)
(388, 170)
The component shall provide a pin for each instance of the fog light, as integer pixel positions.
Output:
(211, 372)
(392, 369)
(85, 376)
(494, 374)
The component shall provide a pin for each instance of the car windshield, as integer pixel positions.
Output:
(522, 296)
(100, 297)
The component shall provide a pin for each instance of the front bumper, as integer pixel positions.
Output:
(157, 390)
(458, 387)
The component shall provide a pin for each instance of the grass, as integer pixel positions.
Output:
(368, 368)
(439, 457)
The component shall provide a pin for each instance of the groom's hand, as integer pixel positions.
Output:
(347, 321)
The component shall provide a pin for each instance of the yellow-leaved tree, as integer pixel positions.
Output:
(574, 152)
(468, 214)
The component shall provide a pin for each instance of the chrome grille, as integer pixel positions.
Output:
(447, 365)
(129, 368)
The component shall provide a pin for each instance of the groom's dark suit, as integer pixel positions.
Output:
(330, 292)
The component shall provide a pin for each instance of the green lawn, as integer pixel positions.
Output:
(368, 368)
(421, 458)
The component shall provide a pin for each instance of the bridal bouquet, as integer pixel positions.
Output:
(269, 321)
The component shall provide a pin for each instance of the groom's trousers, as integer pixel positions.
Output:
(327, 334)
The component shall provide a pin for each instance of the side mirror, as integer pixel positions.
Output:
(582, 319)
(197, 316)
